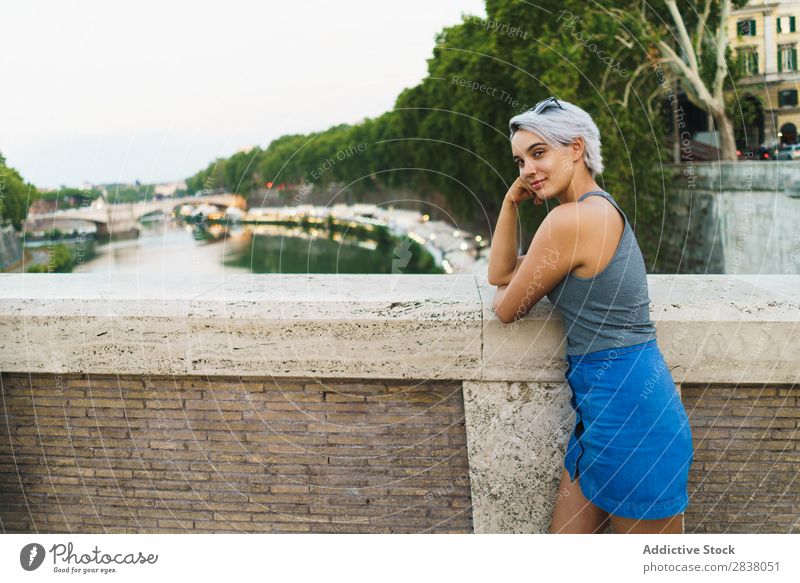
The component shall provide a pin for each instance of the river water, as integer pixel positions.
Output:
(170, 248)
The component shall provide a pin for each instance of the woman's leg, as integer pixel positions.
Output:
(670, 525)
(573, 513)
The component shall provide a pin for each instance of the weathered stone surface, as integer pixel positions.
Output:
(517, 435)
(362, 326)
(715, 328)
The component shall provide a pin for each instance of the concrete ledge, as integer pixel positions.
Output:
(399, 326)
(741, 175)
(714, 328)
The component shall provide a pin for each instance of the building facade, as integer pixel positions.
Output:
(765, 36)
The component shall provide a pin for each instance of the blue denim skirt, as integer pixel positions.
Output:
(631, 446)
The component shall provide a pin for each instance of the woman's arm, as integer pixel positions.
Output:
(550, 258)
(503, 259)
(498, 296)
(503, 254)
(506, 280)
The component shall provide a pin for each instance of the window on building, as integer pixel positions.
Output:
(746, 27)
(748, 61)
(787, 58)
(781, 21)
(787, 97)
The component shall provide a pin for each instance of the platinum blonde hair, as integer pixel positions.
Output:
(562, 127)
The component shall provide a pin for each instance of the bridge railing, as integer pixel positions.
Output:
(361, 403)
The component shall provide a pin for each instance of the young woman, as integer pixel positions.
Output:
(628, 457)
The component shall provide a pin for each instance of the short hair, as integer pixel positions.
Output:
(563, 126)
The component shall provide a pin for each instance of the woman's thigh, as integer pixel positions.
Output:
(573, 513)
(670, 525)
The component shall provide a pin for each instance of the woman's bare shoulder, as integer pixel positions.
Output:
(585, 218)
(563, 221)
(599, 224)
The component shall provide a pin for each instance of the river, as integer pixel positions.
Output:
(168, 247)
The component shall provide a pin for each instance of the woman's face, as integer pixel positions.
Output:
(548, 169)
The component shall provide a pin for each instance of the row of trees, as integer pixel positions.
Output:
(69, 197)
(449, 134)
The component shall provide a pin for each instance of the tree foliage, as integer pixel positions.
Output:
(16, 195)
(447, 137)
(689, 41)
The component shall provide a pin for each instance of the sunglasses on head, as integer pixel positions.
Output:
(544, 104)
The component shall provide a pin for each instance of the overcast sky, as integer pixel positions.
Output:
(116, 91)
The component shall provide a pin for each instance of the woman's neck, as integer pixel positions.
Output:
(577, 189)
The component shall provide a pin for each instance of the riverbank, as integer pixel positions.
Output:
(454, 250)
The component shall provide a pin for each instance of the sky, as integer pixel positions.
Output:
(102, 91)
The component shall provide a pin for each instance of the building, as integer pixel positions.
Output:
(765, 35)
(167, 189)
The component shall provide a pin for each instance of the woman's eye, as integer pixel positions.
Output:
(538, 152)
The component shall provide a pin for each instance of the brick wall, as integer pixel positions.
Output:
(168, 454)
(746, 473)
(176, 454)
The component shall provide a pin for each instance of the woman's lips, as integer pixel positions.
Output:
(537, 183)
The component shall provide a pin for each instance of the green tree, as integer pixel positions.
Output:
(691, 41)
(60, 260)
(15, 195)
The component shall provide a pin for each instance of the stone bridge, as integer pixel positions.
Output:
(123, 219)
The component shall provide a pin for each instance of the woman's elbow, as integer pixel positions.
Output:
(503, 316)
(507, 315)
(497, 281)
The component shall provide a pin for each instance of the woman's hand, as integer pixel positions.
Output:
(520, 191)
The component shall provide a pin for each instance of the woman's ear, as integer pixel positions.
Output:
(578, 146)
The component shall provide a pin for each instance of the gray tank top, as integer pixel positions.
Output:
(611, 309)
